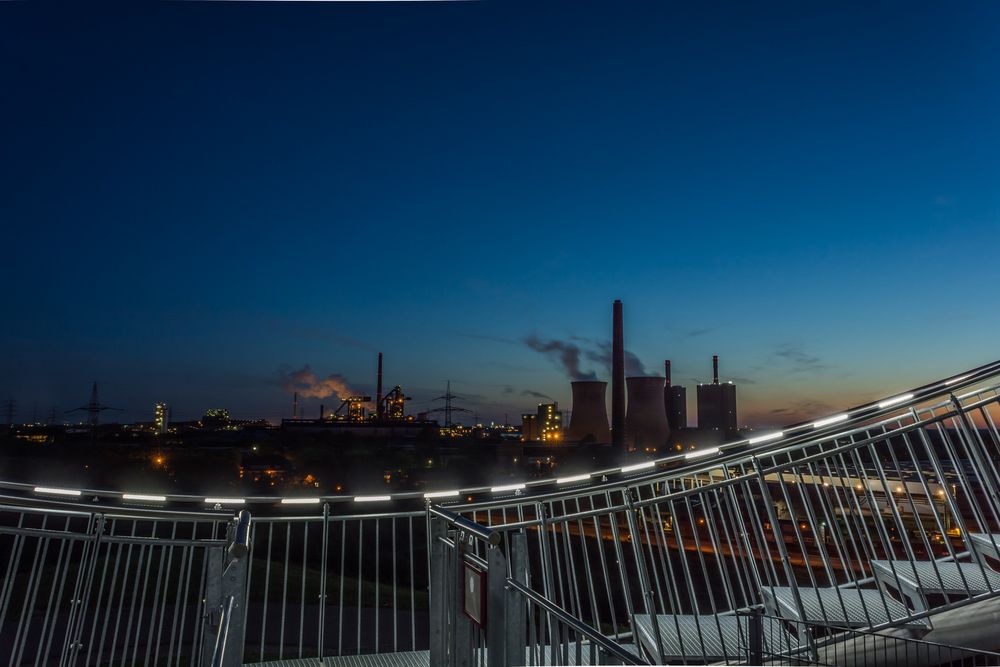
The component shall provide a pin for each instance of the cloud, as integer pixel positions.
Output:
(536, 394)
(798, 360)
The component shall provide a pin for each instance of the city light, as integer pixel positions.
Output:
(56, 492)
(895, 401)
(143, 498)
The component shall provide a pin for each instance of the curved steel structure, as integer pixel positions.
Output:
(876, 527)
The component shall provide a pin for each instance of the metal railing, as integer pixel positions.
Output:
(658, 557)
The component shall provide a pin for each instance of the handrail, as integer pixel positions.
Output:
(484, 533)
(795, 435)
(219, 652)
(608, 645)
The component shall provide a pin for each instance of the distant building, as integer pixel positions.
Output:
(529, 427)
(676, 406)
(549, 423)
(161, 418)
(717, 403)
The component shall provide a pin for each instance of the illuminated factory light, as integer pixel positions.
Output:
(225, 501)
(766, 438)
(144, 498)
(300, 501)
(954, 380)
(836, 419)
(57, 492)
(701, 452)
(895, 401)
(441, 494)
(371, 499)
(505, 489)
(639, 466)
(574, 478)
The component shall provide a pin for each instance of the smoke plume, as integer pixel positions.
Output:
(309, 385)
(536, 394)
(565, 355)
(602, 355)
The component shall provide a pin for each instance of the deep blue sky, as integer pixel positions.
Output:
(196, 196)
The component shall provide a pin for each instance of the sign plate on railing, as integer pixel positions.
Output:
(475, 594)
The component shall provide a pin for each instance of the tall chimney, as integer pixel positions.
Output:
(617, 377)
(322, 410)
(378, 389)
(666, 371)
(295, 405)
(667, 403)
(715, 369)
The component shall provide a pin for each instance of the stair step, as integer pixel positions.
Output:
(839, 607)
(708, 637)
(932, 577)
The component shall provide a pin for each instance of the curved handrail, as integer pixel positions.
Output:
(794, 435)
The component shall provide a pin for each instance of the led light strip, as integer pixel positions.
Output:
(836, 419)
(225, 501)
(574, 478)
(143, 498)
(300, 501)
(441, 494)
(889, 402)
(639, 466)
(372, 499)
(57, 492)
(508, 488)
(766, 438)
(701, 452)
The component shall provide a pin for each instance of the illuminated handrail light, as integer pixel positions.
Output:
(574, 478)
(895, 401)
(300, 501)
(766, 438)
(639, 466)
(441, 494)
(958, 379)
(57, 492)
(371, 499)
(507, 488)
(836, 419)
(144, 498)
(701, 452)
(225, 501)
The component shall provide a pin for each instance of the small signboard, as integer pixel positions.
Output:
(475, 594)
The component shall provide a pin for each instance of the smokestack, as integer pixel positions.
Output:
(590, 412)
(666, 371)
(715, 369)
(617, 377)
(295, 405)
(378, 389)
(667, 402)
(646, 422)
(322, 410)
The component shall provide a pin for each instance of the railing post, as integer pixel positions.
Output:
(496, 608)
(648, 601)
(515, 641)
(755, 630)
(225, 597)
(436, 531)
(212, 615)
(321, 640)
(461, 635)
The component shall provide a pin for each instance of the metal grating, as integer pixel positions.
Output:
(841, 607)
(708, 637)
(931, 577)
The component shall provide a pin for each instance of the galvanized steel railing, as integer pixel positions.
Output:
(872, 500)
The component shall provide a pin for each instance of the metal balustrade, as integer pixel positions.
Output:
(882, 519)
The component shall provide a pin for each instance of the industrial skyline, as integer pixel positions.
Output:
(206, 201)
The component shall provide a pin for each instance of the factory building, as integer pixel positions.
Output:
(590, 412)
(717, 403)
(549, 423)
(529, 427)
(674, 402)
(645, 419)
(161, 418)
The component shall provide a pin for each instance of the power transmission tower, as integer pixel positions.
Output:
(448, 408)
(10, 407)
(93, 408)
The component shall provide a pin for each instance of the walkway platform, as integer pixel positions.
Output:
(917, 579)
(422, 658)
(986, 544)
(708, 637)
(839, 607)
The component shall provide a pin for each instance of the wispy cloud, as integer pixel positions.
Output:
(796, 360)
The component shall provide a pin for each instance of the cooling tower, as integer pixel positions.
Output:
(618, 428)
(590, 412)
(646, 420)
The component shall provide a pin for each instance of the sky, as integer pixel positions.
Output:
(203, 201)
